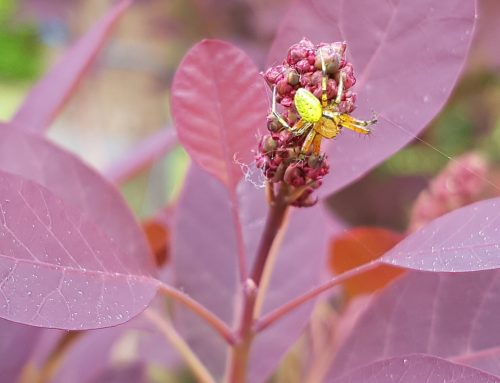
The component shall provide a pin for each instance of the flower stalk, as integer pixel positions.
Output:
(290, 159)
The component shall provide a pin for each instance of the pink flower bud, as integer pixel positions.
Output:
(349, 79)
(303, 66)
(299, 51)
(283, 87)
(274, 74)
(294, 175)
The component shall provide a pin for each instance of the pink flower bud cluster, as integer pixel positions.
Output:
(280, 155)
(282, 162)
(458, 184)
(302, 69)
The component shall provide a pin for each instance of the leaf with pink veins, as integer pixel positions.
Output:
(452, 316)
(416, 369)
(58, 268)
(467, 239)
(68, 240)
(219, 107)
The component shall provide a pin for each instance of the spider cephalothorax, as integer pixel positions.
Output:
(320, 119)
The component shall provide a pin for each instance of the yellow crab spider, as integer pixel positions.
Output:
(318, 118)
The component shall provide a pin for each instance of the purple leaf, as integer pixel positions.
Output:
(219, 104)
(466, 239)
(417, 369)
(16, 346)
(453, 316)
(204, 259)
(83, 240)
(407, 57)
(58, 268)
(51, 92)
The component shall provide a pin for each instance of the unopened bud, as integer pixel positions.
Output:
(273, 124)
(269, 144)
(294, 175)
(292, 77)
(315, 161)
(274, 74)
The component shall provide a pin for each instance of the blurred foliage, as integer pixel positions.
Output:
(21, 57)
(153, 188)
(20, 47)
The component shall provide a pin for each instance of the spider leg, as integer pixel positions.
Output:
(308, 141)
(300, 128)
(340, 88)
(324, 79)
(317, 144)
(356, 125)
(280, 119)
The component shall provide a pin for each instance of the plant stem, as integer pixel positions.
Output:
(276, 314)
(239, 355)
(218, 325)
(180, 345)
(274, 221)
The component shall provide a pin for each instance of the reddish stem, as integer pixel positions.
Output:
(278, 313)
(217, 324)
(274, 221)
(238, 358)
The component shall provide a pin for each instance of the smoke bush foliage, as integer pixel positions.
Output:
(247, 268)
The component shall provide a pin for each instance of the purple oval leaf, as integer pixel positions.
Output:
(453, 316)
(58, 269)
(204, 261)
(466, 239)
(219, 104)
(49, 95)
(417, 369)
(406, 55)
(33, 157)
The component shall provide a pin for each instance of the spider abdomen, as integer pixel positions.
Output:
(308, 105)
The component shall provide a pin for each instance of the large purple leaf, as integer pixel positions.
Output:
(417, 369)
(86, 220)
(58, 268)
(407, 56)
(51, 92)
(466, 239)
(16, 345)
(219, 104)
(204, 261)
(454, 316)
